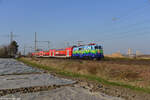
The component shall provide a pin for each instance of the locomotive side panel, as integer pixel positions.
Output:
(90, 51)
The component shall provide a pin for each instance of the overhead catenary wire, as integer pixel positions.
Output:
(126, 28)
(131, 12)
(11, 36)
(133, 35)
(127, 31)
(131, 25)
(121, 34)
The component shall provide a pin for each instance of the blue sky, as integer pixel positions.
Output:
(116, 24)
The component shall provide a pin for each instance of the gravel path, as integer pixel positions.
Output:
(64, 93)
(31, 80)
(16, 83)
(11, 66)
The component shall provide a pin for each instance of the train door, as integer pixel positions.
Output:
(50, 53)
(53, 53)
(68, 53)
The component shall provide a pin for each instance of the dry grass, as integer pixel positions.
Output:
(133, 74)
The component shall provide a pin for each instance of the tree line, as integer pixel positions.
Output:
(9, 51)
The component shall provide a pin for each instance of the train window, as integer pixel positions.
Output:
(100, 47)
(89, 47)
(96, 47)
(75, 49)
(80, 48)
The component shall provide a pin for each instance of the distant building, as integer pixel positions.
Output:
(129, 53)
(115, 55)
(138, 53)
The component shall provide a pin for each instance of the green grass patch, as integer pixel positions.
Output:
(77, 75)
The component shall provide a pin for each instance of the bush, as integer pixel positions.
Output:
(10, 50)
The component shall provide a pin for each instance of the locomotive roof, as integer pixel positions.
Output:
(93, 44)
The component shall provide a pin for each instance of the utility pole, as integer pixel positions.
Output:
(35, 48)
(11, 37)
(31, 48)
(36, 41)
(68, 44)
(129, 52)
(24, 50)
(48, 42)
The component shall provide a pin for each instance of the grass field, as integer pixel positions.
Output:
(129, 73)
